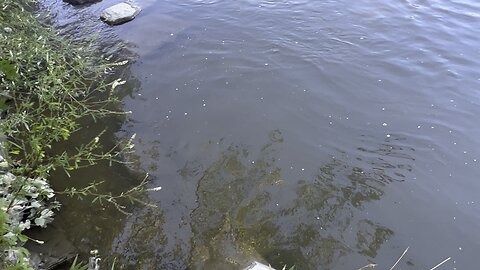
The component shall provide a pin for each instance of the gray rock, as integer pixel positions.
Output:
(81, 2)
(7, 29)
(57, 251)
(120, 13)
(259, 266)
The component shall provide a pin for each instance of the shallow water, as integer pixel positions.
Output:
(321, 134)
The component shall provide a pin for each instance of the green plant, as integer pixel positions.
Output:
(12, 255)
(78, 266)
(51, 86)
(131, 195)
(48, 86)
(55, 85)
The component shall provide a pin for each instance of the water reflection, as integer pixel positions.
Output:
(144, 239)
(249, 207)
(241, 217)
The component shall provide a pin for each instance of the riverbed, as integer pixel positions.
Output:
(320, 134)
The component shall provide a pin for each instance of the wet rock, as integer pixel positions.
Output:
(120, 13)
(55, 252)
(81, 2)
(258, 266)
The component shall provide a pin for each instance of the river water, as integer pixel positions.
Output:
(320, 134)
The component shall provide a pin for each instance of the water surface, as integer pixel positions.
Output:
(321, 134)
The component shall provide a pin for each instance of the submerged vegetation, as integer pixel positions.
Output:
(48, 87)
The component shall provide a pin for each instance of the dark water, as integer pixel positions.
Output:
(321, 134)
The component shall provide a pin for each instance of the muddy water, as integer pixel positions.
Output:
(321, 134)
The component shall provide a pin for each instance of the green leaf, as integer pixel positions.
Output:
(78, 266)
(22, 238)
(8, 69)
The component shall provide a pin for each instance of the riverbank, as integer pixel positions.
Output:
(48, 86)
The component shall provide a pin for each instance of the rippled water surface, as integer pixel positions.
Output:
(320, 134)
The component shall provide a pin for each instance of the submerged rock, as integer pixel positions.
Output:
(81, 2)
(58, 251)
(120, 13)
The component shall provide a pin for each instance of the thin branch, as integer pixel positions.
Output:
(371, 265)
(436, 266)
(403, 254)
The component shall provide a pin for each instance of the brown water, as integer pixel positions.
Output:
(321, 134)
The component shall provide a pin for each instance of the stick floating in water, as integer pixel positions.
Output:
(444, 261)
(403, 254)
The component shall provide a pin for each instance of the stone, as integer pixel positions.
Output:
(81, 2)
(7, 29)
(56, 252)
(120, 13)
(258, 266)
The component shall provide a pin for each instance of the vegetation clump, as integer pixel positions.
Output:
(47, 87)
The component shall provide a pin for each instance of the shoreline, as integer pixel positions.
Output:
(45, 72)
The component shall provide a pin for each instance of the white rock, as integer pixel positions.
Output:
(119, 13)
(258, 266)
